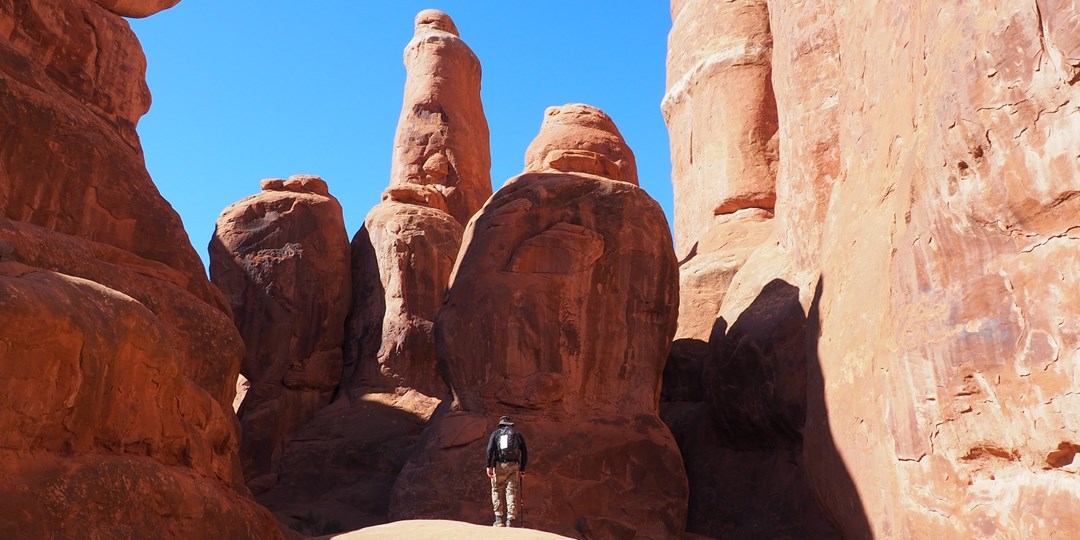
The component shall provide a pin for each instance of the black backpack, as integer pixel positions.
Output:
(506, 445)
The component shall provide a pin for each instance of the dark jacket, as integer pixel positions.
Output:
(492, 452)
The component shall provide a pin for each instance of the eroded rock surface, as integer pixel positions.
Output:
(560, 311)
(74, 88)
(103, 432)
(282, 259)
(583, 139)
(735, 383)
(946, 308)
(721, 113)
(136, 8)
(414, 247)
(118, 358)
(926, 223)
(442, 136)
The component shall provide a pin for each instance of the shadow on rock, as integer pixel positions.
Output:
(738, 407)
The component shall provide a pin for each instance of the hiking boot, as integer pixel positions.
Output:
(509, 522)
(498, 522)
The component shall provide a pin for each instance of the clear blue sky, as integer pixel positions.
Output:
(249, 90)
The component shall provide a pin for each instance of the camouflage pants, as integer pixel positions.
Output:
(506, 481)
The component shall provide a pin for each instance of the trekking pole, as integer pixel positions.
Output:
(521, 488)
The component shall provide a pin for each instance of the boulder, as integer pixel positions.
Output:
(560, 311)
(442, 136)
(282, 259)
(583, 139)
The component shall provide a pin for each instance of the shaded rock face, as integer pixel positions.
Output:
(74, 75)
(926, 217)
(581, 138)
(560, 311)
(338, 469)
(442, 137)
(282, 259)
(118, 359)
(414, 247)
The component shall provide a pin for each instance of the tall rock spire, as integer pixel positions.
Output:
(403, 255)
(442, 136)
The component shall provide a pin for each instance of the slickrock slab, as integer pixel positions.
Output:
(439, 529)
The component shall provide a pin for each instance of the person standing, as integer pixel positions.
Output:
(507, 457)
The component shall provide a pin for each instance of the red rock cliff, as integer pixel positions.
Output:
(926, 227)
(118, 363)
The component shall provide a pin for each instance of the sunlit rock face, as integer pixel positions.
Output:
(721, 113)
(282, 259)
(583, 139)
(118, 359)
(403, 255)
(560, 311)
(927, 225)
(947, 300)
(442, 136)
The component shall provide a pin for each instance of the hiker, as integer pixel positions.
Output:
(507, 457)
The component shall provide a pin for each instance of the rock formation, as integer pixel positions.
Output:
(282, 259)
(119, 359)
(76, 80)
(721, 112)
(926, 236)
(560, 312)
(442, 135)
(414, 248)
(136, 8)
(401, 263)
(583, 139)
(735, 383)
(440, 176)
